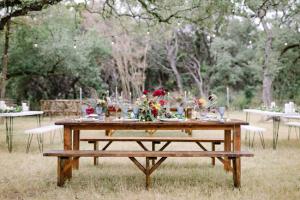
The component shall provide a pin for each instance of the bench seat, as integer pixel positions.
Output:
(149, 139)
(155, 140)
(150, 154)
(65, 160)
(39, 132)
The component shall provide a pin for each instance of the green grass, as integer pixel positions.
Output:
(269, 175)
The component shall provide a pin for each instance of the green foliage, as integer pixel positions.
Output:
(64, 59)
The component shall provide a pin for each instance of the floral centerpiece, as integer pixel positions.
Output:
(9, 109)
(209, 105)
(150, 106)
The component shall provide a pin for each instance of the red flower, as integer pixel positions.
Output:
(162, 102)
(154, 112)
(89, 110)
(159, 92)
(145, 92)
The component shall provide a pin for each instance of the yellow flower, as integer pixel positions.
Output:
(201, 102)
(157, 106)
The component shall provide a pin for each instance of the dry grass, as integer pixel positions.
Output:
(269, 175)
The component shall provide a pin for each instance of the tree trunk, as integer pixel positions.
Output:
(5, 61)
(267, 76)
(172, 50)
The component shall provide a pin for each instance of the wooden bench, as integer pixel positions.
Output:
(64, 170)
(155, 140)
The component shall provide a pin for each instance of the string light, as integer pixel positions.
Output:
(74, 46)
(35, 45)
(285, 44)
(148, 32)
(250, 42)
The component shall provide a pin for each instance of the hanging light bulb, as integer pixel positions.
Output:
(250, 42)
(285, 44)
(74, 46)
(148, 32)
(35, 45)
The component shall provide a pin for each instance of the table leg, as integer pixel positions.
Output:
(76, 143)
(276, 123)
(227, 147)
(9, 123)
(247, 120)
(68, 146)
(237, 160)
(38, 119)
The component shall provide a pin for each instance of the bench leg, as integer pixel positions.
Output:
(76, 147)
(68, 146)
(30, 136)
(147, 173)
(213, 159)
(236, 162)
(96, 147)
(62, 170)
(227, 147)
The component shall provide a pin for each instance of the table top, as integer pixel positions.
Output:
(274, 114)
(21, 114)
(142, 125)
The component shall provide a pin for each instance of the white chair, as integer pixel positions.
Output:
(295, 125)
(254, 129)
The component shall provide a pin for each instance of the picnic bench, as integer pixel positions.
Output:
(68, 159)
(64, 155)
(154, 140)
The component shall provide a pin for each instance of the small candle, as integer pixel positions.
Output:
(80, 94)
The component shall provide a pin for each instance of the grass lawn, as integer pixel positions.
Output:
(270, 174)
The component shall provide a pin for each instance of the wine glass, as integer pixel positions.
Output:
(99, 111)
(222, 112)
(180, 111)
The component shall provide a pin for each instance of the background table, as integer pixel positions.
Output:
(276, 120)
(9, 123)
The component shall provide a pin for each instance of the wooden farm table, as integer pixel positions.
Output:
(9, 123)
(232, 133)
(276, 116)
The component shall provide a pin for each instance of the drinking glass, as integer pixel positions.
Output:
(222, 112)
(135, 111)
(180, 110)
(99, 111)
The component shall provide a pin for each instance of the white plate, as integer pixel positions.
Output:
(92, 115)
(171, 120)
(86, 119)
(126, 120)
